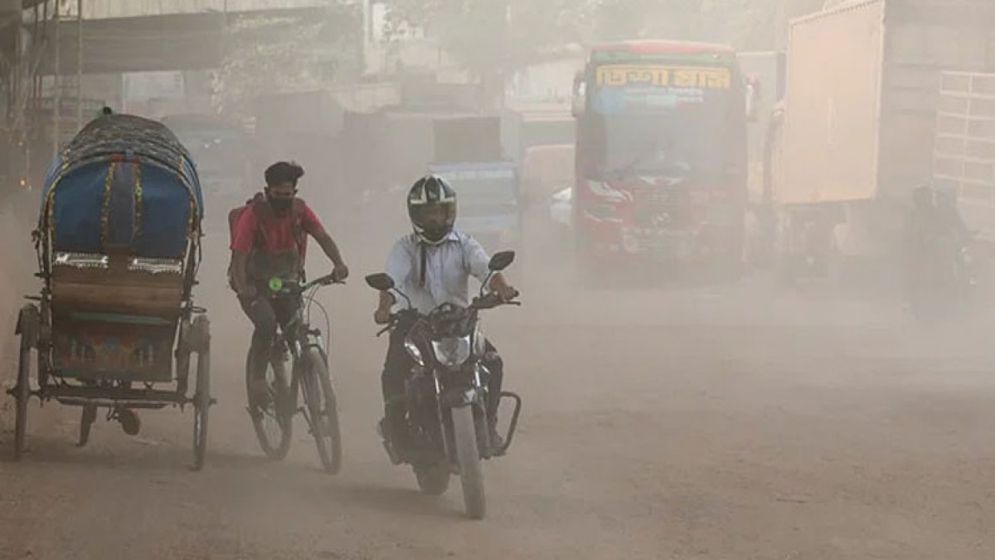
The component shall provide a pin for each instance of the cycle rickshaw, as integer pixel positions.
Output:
(118, 242)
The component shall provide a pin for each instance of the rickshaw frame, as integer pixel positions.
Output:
(191, 335)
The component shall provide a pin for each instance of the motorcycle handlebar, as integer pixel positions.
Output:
(490, 301)
(395, 318)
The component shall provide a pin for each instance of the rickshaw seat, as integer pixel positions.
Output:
(118, 286)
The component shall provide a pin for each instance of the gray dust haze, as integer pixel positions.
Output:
(753, 244)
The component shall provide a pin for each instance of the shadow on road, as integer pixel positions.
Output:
(385, 499)
(141, 455)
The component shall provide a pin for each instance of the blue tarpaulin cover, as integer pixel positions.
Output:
(124, 184)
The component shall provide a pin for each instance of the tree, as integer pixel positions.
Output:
(285, 54)
(491, 38)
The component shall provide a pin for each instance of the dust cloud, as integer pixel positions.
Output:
(720, 356)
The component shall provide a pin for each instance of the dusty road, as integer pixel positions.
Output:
(702, 423)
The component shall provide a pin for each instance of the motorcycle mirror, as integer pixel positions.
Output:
(501, 261)
(381, 282)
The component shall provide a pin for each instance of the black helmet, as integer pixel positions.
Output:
(432, 208)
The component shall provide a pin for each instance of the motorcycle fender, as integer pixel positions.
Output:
(459, 398)
(419, 388)
(29, 324)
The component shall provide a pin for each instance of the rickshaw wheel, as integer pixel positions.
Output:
(28, 326)
(22, 394)
(202, 398)
(87, 419)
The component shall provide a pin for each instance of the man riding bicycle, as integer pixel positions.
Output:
(269, 245)
(433, 266)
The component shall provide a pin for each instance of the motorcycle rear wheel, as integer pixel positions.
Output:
(434, 480)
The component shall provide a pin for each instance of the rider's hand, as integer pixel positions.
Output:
(340, 273)
(382, 316)
(506, 293)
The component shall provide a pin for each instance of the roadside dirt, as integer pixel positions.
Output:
(722, 422)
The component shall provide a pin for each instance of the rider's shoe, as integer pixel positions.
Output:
(497, 442)
(130, 422)
(392, 451)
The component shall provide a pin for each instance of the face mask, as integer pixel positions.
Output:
(436, 233)
(280, 204)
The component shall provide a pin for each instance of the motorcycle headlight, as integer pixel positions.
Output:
(414, 352)
(452, 352)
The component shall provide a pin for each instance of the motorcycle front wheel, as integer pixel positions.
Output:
(468, 455)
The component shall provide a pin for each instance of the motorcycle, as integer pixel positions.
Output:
(943, 278)
(447, 393)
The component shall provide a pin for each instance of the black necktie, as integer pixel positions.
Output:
(424, 262)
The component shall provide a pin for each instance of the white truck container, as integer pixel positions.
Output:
(860, 114)
(964, 151)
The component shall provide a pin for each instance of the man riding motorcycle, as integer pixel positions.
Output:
(432, 266)
(937, 238)
(269, 241)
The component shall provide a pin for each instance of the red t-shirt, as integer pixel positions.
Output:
(279, 236)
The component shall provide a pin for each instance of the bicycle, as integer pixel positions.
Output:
(301, 345)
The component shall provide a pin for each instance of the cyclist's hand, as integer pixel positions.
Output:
(340, 273)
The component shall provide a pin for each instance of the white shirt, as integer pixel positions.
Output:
(448, 268)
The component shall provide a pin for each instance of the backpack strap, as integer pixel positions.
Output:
(297, 211)
(264, 217)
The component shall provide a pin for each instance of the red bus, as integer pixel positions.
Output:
(661, 156)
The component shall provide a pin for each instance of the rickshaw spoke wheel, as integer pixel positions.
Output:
(87, 418)
(202, 398)
(22, 394)
(29, 322)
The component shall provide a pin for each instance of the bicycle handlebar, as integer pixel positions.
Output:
(293, 289)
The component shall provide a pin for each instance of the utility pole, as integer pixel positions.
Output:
(56, 84)
(79, 64)
(14, 97)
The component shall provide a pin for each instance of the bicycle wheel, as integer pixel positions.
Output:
(322, 408)
(272, 416)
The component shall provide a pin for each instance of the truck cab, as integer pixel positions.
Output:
(469, 155)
